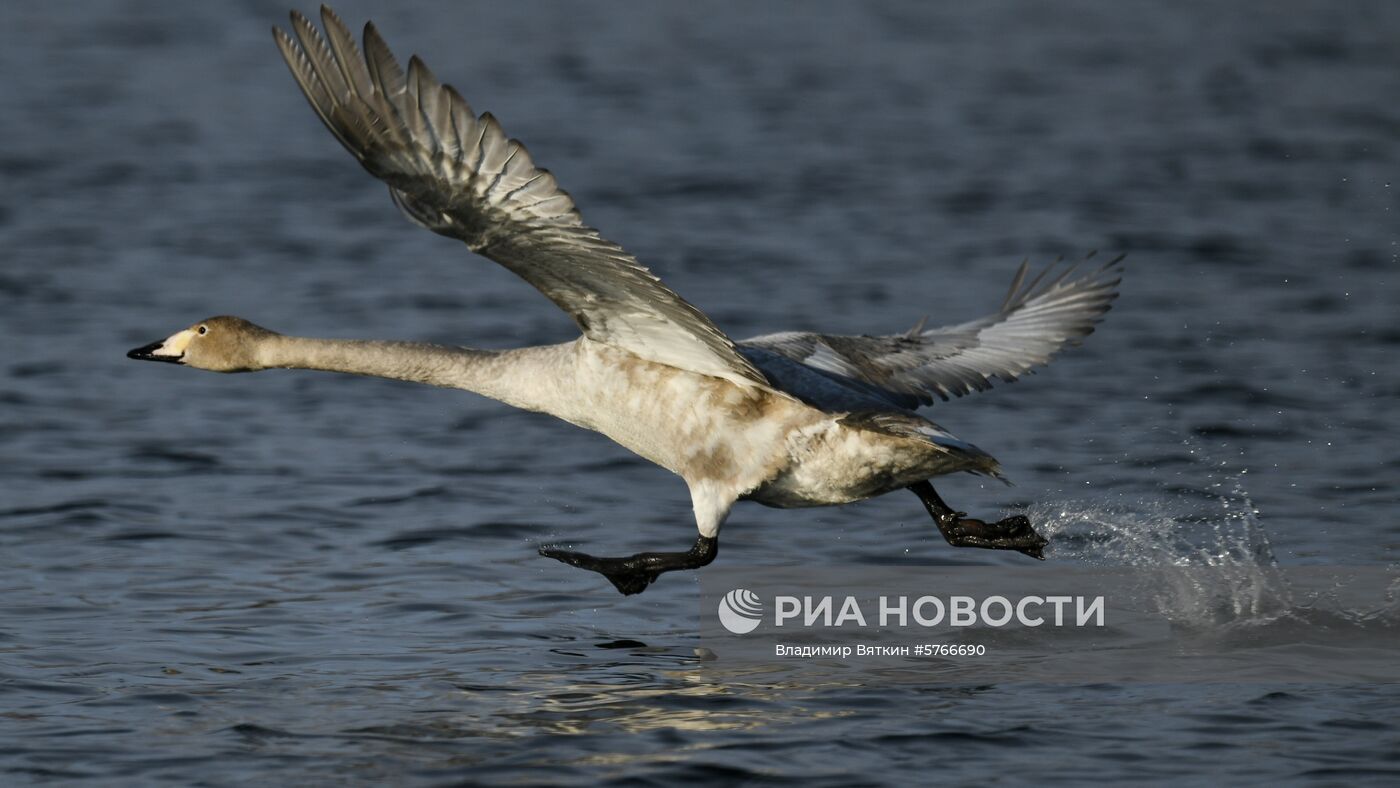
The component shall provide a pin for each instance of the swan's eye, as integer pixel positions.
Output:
(203, 330)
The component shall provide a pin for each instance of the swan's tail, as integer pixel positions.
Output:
(959, 455)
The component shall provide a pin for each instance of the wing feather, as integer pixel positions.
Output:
(1035, 321)
(460, 175)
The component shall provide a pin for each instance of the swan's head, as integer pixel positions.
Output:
(219, 344)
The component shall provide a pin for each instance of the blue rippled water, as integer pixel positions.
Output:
(292, 578)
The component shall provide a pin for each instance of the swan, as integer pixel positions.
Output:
(792, 419)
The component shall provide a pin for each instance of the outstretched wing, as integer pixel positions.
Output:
(907, 370)
(459, 175)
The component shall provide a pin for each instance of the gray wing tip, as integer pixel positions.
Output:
(1044, 283)
(370, 30)
(1114, 268)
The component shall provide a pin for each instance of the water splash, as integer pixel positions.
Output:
(1223, 567)
(1216, 570)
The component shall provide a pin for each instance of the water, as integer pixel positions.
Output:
(294, 578)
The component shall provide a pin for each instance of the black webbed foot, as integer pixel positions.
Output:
(623, 573)
(632, 574)
(1011, 533)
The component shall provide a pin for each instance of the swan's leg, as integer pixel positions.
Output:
(632, 574)
(1012, 533)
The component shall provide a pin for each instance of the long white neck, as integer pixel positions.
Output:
(534, 378)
